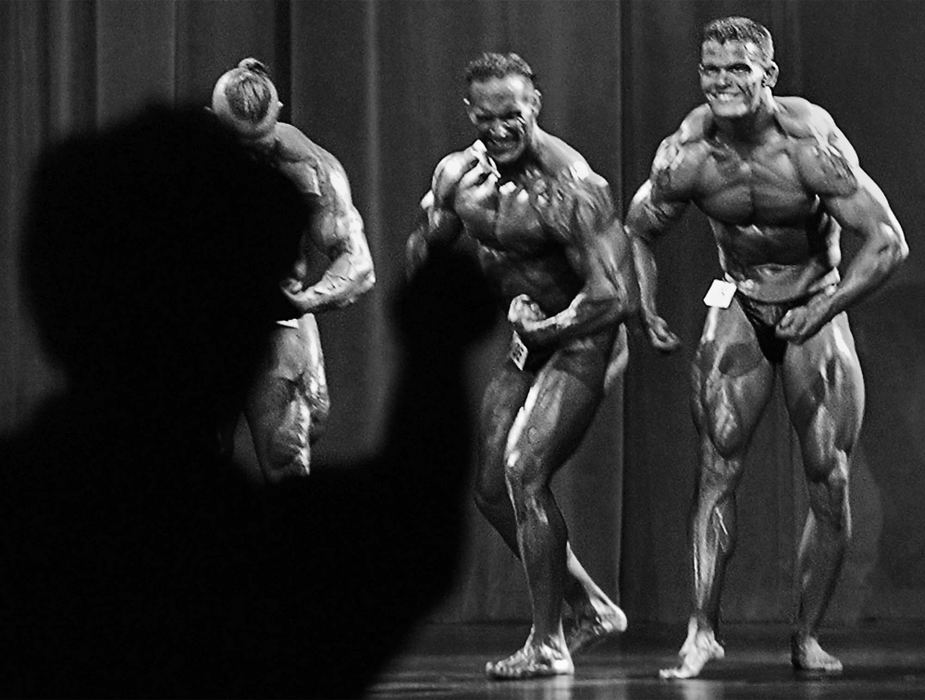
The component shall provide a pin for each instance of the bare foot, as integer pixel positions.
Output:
(699, 648)
(532, 661)
(807, 655)
(587, 630)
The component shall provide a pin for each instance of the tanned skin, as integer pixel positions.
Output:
(778, 181)
(288, 402)
(551, 245)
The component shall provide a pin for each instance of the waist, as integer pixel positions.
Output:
(779, 283)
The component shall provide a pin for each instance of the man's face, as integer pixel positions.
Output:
(731, 77)
(504, 112)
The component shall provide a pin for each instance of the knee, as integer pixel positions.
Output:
(490, 501)
(320, 409)
(521, 477)
(287, 457)
(829, 497)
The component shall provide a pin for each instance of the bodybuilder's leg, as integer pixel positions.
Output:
(732, 382)
(555, 416)
(595, 615)
(825, 396)
(288, 401)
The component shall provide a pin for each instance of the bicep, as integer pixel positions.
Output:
(653, 210)
(595, 244)
(865, 211)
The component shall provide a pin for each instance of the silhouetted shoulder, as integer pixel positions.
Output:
(678, 160)
(824, 158)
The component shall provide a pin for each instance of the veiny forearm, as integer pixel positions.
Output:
(874, 263)
(349, 276)
(647, 274)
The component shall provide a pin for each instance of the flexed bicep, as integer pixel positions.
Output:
(336, 229)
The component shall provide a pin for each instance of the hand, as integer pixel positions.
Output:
(660, 336)
(803, 322)
(291, 286)
(477, 189)
(523, 315)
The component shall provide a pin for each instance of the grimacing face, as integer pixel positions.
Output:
(504, 112)
(733, 77)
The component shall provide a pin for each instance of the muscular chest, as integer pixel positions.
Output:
(758, 186)
(508, 219)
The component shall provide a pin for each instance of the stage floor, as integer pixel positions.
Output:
(447, 661)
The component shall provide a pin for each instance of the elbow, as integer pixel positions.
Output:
(366, 278)
(900, 251)
(897, 248)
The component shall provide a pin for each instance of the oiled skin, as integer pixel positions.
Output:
(778, 186)
(549, 242)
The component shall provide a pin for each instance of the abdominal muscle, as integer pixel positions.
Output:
(776, 263)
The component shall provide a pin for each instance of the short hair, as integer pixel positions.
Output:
(741, 29)
(249, 90)
(498, 65)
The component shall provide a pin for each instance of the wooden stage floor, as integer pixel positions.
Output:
(447, 661)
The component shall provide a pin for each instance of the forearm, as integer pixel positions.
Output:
(874, 263)
(349, 276)
(346, 280)
(585, 315)
(647, 275)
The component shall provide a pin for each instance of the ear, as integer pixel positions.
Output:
(537, 101)
(770, 75)
(469, 113)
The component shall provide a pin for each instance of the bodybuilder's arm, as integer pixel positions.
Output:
(598, 250)
(337, 230)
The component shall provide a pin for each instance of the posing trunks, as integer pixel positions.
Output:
(587, 358)
(764, 317)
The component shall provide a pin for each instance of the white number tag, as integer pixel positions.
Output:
(720, 294)
(518, 352)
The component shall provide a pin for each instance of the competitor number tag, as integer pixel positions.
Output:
(518, 352)
(720, 294)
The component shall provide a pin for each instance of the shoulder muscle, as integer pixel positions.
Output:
(824, 158)
(679, 157)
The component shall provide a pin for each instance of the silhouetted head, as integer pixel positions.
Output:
(152, 257)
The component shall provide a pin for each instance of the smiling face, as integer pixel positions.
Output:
(504, 112)
(733, 77)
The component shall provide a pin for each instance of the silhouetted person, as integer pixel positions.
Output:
(134, 559)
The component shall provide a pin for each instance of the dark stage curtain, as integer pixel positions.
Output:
(856, 60)
(379, 84)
